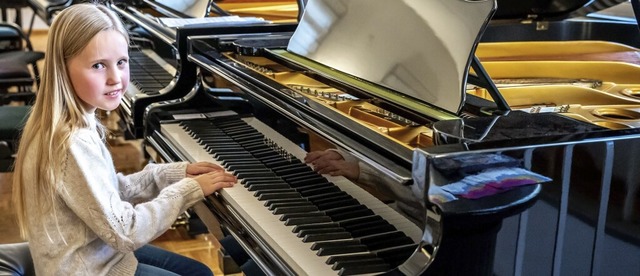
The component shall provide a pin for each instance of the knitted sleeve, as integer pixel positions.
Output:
(89, 188)
(148, 182)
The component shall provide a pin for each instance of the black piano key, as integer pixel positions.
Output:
(344, 223)
(231, 157)
(247, 161)
(273, 206)
(258, 187)
(249, 137)
(393, 256)
(312, 186)
(294, 209)
(262, 150)
(340, 202)
(369, 229)
(270, 202)
(306, 181)
(265, 155)
(346, 248)
(250, 166)
(331, 195)
(370, 243)
(298, 215)
(287, 216)
(273, 191)
(307, 220)
(302, 176)
(279, 195)
(303, 233)
(329, 213)
(319, 191)
(291, 169)
(215, 150)
(245, 133)
(353, 257)
(222, 154)
(249, 183)
(253, 174)
(298, 228)
(236, 127)
(326, 237)
(276, 162)
(354, 268)
(235, 165)
(352, 214)
(260, 180)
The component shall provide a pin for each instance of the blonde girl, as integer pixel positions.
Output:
(80, 216)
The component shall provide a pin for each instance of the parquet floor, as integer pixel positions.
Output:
(127, 157)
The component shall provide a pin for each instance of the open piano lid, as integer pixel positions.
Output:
(419, 50)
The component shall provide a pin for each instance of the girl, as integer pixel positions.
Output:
(79, 216)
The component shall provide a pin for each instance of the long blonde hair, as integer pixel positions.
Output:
(57, 111)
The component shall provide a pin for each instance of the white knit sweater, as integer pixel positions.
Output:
(99, 217)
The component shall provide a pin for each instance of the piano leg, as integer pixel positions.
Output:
(466, 248)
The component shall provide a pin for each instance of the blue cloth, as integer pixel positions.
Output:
(234, 249)
(157, 261)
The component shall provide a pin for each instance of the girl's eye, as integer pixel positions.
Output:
(98, 66)
(122, 62)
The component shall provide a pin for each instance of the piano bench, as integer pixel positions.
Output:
(15, 259)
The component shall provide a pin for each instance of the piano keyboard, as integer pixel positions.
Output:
(318, 225)
(149, 73)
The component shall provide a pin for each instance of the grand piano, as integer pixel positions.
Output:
(157, 71)
(396, 86)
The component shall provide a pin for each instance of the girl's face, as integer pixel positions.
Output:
(100, 73)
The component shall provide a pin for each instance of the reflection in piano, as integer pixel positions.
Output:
(353, 77)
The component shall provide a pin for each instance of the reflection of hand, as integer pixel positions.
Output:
(215, 180)
(199, 168)
(331, 162)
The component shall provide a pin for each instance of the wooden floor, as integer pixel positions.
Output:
(127, 158)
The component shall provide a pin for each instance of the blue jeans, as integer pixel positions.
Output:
(153, 260)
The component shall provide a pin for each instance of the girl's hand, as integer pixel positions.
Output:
(316, 156)
(201, 168)
(215, 180)
(331, 162)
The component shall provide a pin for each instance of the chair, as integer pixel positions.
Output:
(15, 259)
(16, 56)
(16, 5)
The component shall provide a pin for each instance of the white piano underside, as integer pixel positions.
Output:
(266, 225)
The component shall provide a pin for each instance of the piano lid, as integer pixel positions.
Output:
(419, 49)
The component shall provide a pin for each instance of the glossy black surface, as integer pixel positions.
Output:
(620, 32)
(517, 129)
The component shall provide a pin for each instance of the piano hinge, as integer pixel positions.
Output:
(542, 25)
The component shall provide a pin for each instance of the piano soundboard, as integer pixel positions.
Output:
(316, 224)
